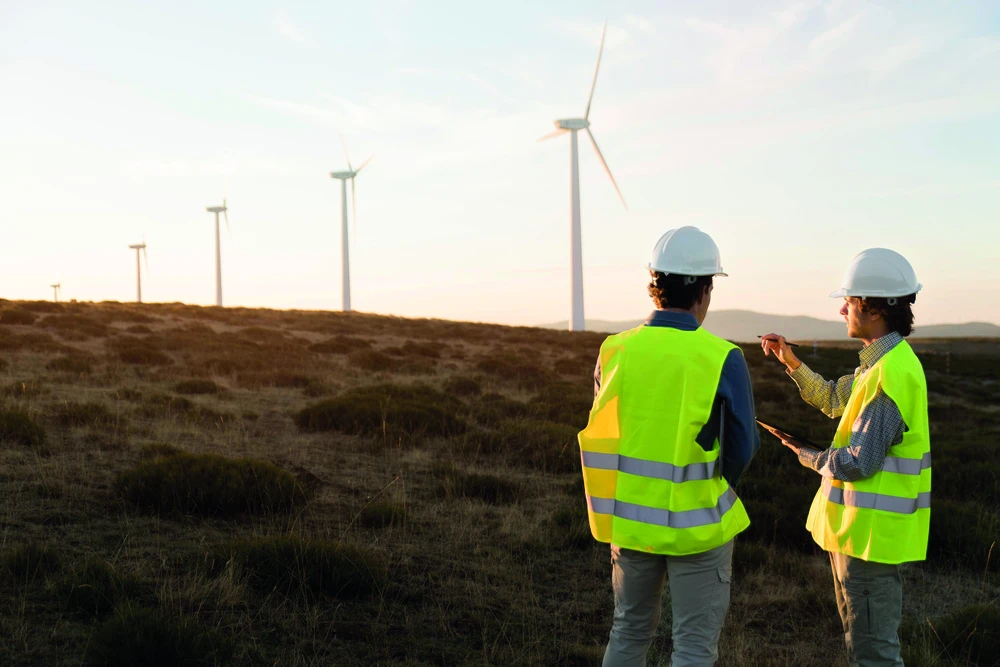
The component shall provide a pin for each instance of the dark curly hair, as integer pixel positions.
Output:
(670, 290)
(898, 316)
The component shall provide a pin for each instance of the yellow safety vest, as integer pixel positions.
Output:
(884, 518)
(650, 486)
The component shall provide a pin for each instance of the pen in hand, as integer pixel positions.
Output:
(786, 343)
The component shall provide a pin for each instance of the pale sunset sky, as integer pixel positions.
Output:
(795, 133)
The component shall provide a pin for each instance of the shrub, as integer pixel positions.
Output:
(972, 634)
(136, 635)
(281, 379)
(463, 387)
(211, 485)
(158, 450)
(26, 562)
(493, 409)
(76, 325)
(197, 386)
(76, 364)
(97, 587)
(17, 317)
(293, 565)
(373, 360)
(382, 514)
(139, 329)
(341, 345)
(514, 370)
(429, 350)
(571, 525)
(453, 482)
(23, 389)
(139, 352)
(384, 409)
(539, 444)
(564, 402)
(20, 427)
(85, 414)
(965, 532)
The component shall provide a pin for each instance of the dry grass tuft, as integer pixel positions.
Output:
(20, 427)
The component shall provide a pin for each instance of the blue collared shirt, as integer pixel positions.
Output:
(741, 437)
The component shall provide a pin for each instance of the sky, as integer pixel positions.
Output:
(795, 133)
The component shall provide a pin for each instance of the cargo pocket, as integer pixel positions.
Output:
(862, 607)
(720, 595)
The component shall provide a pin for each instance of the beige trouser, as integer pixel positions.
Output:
(870, 601)
(699, 599)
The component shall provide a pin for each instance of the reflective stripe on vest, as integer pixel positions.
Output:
(907, 466)
(703, 516)
(875, 501)
(653, 469)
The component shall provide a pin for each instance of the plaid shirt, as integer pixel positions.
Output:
(878, 427)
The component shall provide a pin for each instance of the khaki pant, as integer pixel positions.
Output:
(699, 599)
(870, 601)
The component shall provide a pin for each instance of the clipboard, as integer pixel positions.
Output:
(777, 432)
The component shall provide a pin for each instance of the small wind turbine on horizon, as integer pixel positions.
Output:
(345, 260)
(138, 273)
(574, 125)
(55, 290)
(218, 249)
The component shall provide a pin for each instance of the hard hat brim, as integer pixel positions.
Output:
(844, 292)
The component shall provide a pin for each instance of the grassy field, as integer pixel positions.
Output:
(203, 486)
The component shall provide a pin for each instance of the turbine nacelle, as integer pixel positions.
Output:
(343, 175)
(216, 209)
(572, 124)
(137, 246)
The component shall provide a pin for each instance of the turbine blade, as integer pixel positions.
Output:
(354, 208)
(593, 85)
(553, 134)
(363, 164)
(606, 168)
(145, 255)
(230, 231)
(344, 146)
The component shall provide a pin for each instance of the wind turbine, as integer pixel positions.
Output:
(218, 252)
(138, 274)
(574, 125)
(55, 290)
(343, 177)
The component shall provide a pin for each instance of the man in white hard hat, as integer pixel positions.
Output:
(670, 432)
(872, 510)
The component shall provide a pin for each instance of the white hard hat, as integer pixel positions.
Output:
(879, 272)
(686, 251)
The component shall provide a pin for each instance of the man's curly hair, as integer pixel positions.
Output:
(898, 316)
(676, 291)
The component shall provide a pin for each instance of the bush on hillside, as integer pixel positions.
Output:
(27, 562)
(454, 482)
(463, 387)
(85, 414)
(384, 409)
(78, 364)
(210, 485)
(197, 386)
(75, 325)
(538, 444)
(23, 389)
(136, 635)
(382, 514)
(341, 345)
(139, 352)
(20, 427)
(17, 317)
(294, 565)
(96, 587)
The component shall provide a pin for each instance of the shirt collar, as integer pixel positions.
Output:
(870, 354)
(674, 320)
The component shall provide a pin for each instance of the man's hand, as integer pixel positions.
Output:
(792, 444)
(776, 344)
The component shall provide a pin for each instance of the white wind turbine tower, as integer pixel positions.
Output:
(55, 290)
(138, 273)
(573, 125)
(345, 262)
(218, 251)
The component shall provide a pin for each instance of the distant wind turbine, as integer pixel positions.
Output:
(138, 273)
(55, 290)
(343, 177)
(218, 250)
(573, 125)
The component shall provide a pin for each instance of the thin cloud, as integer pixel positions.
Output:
(639, 23)
(288, 28)
(837, 33)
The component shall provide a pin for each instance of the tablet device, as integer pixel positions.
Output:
(777, 432)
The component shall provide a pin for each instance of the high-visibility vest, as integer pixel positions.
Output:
(650, 486)
(884, 518)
